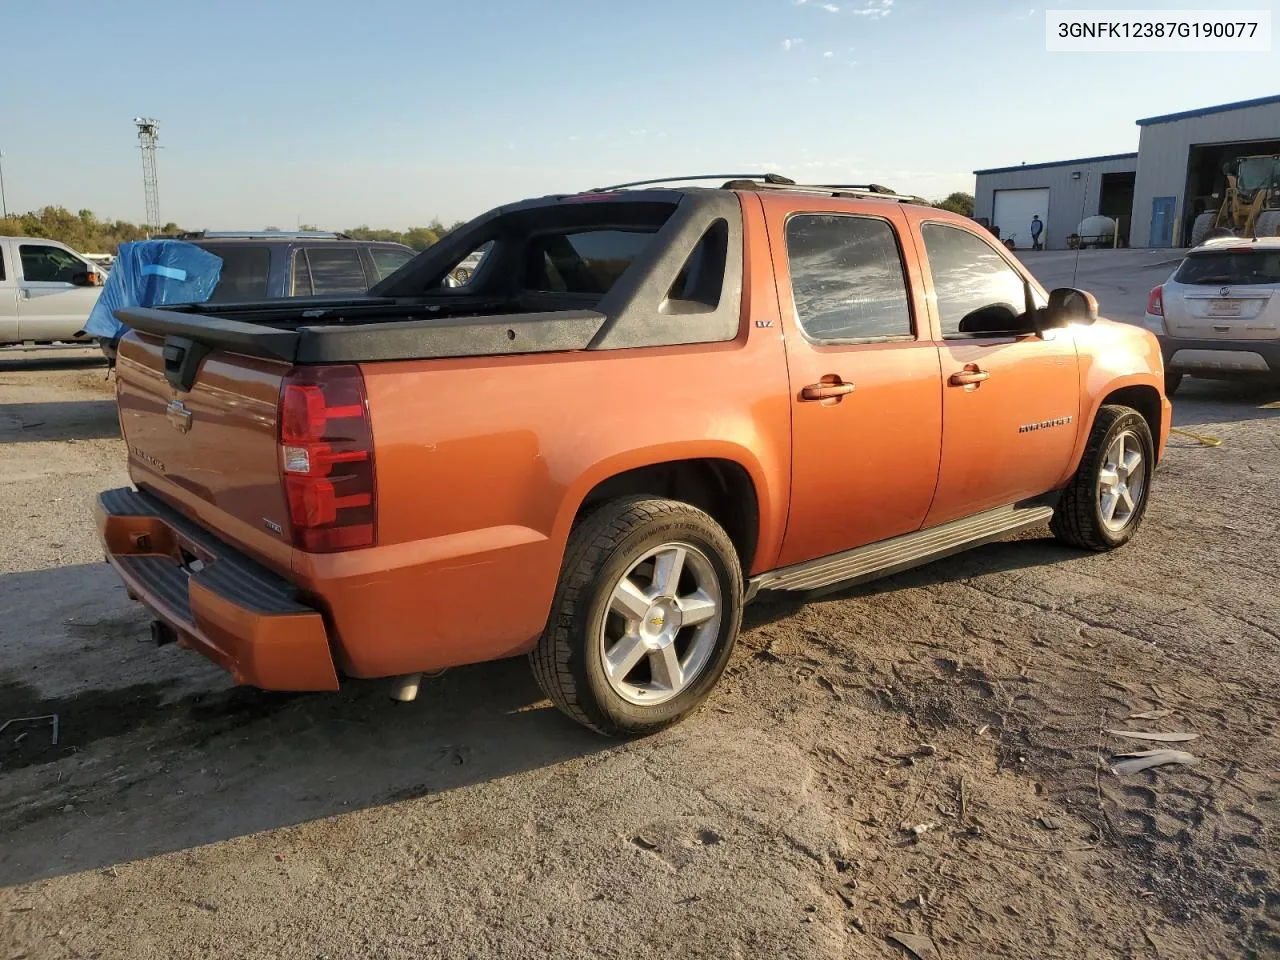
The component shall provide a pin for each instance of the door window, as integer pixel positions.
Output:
(245, 272)
(336, 270)
(847, 280)
(387, 260)
(43, 264)
(978, 292)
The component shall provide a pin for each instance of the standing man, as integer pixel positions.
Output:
(1037, 228)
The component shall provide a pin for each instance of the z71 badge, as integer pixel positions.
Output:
(1044, 424)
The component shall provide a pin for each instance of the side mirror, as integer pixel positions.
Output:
(1067, 305)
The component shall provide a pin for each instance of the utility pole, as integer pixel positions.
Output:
(148, 140)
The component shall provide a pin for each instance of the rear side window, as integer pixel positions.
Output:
(1230, 268)
(387, 260)
(978, 292)
(245, 270)
(43, 264)
(846, 278)
(586, 261)
(334, 270)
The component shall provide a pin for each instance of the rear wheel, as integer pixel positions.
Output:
(1103, 505)
(1171, 383)
(644, 618)
(1268, 224)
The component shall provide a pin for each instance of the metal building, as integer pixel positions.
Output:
(1154, 194)
(1180, 160)
(1061, 193)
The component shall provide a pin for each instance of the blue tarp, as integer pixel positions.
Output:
(148, 273)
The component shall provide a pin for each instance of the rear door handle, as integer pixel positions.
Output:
(825, 391)
(968, 377)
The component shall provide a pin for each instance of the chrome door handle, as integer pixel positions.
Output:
(825, 391)
(965, 378)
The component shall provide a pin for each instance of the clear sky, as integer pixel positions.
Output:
(392, 112)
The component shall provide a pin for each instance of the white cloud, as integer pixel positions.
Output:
(790, 43)
(1026, 16)
(813, 79)
(875, 9)
(830, 8)
(828, 54)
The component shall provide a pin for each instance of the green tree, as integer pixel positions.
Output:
(85, 232)
(961, 203)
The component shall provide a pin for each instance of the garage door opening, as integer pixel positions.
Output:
(1012, 211)
(1116, 201)
(1207, 181)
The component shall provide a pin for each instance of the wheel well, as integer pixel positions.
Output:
(721, 488)
(1146, 400)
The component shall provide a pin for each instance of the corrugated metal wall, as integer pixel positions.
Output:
(1067, 195)
(1163, 152)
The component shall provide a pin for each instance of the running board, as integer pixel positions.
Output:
(901, 553)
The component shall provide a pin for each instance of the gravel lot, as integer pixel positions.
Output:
(178, 817)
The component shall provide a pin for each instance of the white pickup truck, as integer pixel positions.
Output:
(46, 291)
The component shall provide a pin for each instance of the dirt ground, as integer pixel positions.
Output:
(179, 817)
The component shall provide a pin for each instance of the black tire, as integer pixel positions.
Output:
(567, 662)
(1078, 519)
(1201, 226)
(1172, 381)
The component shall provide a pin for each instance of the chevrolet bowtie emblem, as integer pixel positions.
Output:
(659, 620)
(178, 415)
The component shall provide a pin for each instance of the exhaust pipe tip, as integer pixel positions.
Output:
(405, 688)
(162, 633)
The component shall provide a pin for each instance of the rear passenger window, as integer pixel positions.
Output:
(245, 272)
(978, 292)
(847, 279)
(388, 260)
(336, 270)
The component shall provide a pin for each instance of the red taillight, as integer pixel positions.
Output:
(1155, 302)
(326, 454)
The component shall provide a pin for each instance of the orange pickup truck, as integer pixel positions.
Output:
(645, 406)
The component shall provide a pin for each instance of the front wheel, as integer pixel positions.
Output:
(1103, 505)
(644, 619)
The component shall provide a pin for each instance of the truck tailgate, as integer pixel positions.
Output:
(210, 452)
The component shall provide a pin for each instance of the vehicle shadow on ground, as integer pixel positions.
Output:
(74, 359)
(1033, 549)
(152, 767)
(69, 420)
(1224, 401)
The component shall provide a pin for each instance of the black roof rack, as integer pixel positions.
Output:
(766, 177)
(776, 181)
(873, 190)
(265, 235)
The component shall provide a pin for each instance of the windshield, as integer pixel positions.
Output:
(1230, 267)
(1258, 172)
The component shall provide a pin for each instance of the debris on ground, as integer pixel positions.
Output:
(51, 717)
(1150, 715)
(917, 945)
(1154, 735)
(1136, 762)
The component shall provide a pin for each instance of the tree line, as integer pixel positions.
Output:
(85, 232)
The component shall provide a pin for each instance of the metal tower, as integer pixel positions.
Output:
(148, 138)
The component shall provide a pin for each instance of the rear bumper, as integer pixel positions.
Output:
(220, 603)
(1221, 357)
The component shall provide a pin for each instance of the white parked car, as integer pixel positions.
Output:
(46, 291)
(1218, 315)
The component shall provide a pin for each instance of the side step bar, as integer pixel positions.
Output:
(901, 553)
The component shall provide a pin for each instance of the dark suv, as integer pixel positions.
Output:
(270, 264)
